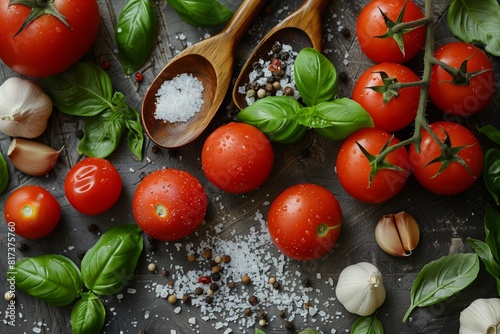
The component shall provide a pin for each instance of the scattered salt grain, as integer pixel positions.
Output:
(131, 291)
(179, 99)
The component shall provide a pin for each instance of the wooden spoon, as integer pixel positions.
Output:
(211, 61)
(300, 29)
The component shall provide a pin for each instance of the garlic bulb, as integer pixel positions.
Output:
(24, 108)
(31, 157)
(481, 317)
(360, 288)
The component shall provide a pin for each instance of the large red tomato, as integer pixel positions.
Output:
(462, 97)
(32, 212)
(237, 157)
(48, 44)
(354, 168)
(169, 204)
(304, 221)
(370, 26)
(93, 185)
(391, 110)
(461, 162)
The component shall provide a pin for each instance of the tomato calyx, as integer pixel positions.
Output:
(161, 210)
(38, 9)
(323, 229)
(448, 155)
(387, 89)
(460, 76)
(378, 162)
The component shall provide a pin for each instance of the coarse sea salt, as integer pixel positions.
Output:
(179, 99)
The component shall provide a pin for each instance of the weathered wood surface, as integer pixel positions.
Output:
(446, 221)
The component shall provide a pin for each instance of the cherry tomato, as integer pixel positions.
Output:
(237, 158)
(92, 186)
(371, 25)
(304, 221)
(456, 177)
(353, 167)
(400, 108)
(32, 212)
(465, 98)
(47, 45)
(169, 204)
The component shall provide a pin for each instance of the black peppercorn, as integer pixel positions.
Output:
(81, 254)
(343, 77)
(248, 311)
(198, 291)
(345, 32)
(209, 299)
(282, 314)
(214, 287)
(306, 283)
(143, 332)
(231, 284)
(151, 247)
(22, 246)
(154, 149)
(262, 315)
(215, 277)
(165, 272)
(186, 299)
(79, 133)
(253, 300)
(92, 227)
(289, 325)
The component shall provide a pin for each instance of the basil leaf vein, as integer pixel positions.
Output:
(88, 315)
(367, 325)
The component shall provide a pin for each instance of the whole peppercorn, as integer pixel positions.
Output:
(22, 247)
(231, 284)
(345, 32)
(218, 259)
(198, 291)
(154, 149)
(248, 311)
(209, 299)
(306, 283)
(191, 258)
(165, 272)
(262, 322)
(143, 332)
(282, 314)
(204, 280)
(207, 254)
(276, 285)
(172, 299)
(262, 314)
(212, 263)
(226, 258)
(215, 277)
(288, 91)
(289, 325)
(215, 269)
(139, 77)
(186, 299)
(245, 279)
(151, 247)
(253, 300)
(214, 287)
(152, 267)
(92, 227)
(210, 292)
(261, 93)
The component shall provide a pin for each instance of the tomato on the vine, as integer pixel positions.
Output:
(471, 89)
(32, 212)
(304, 221)
(237, 157)
(169, 204)
(390, 109)
(376, 38)
(93, 185)
(51, 42)
(355, 172)
(450, 167)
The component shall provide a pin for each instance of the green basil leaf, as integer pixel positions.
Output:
(275, 116)
(82, 90)
(492, 231)
(491, 132)
(4, 174)
(336, 119)
(367, 325)
(491, 173)
(309, 331)
(55, 279)
(484, 251)
(442, 278)
(88, 315)
(135, 34)
(476, 21)
(315, 77)
(201, 13)
(110, 263)
(135, 137)
(259, 331)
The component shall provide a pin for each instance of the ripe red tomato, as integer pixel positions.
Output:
(401, 107)
(304, 221)
(455, 178)
(92, 186)
(353, 167)
(169, 204)
(370, 25)
(46, 45)
(461, 99)
(32, 212)
(237, 158)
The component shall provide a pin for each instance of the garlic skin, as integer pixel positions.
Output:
(360, 288)
(397, 234)
(482, 316)
(31, 157)
(24, 108)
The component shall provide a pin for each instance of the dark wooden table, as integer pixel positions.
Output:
(445, 221)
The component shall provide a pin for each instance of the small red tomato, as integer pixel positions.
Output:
(169, 204)
(304, 221)
(463, 163)
(32, 212)
(237, 158)
(92, 186)
(353, 167)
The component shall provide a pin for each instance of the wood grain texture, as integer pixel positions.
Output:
(446, 221)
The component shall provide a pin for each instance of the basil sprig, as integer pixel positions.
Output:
(442, 278)
(201, 13)
(284, 120)
(135, 34)
(106, 269)
(86, 90)
(476, 22)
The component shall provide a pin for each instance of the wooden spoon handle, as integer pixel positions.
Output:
(242, 19)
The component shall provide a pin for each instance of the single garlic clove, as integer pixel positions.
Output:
(387, 236)
(32, 157)
(409, 232)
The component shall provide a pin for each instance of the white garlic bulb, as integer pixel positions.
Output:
(360, 288)
(481, 317)
(24, 108)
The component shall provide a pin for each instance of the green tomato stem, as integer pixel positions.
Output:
(323, 229)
